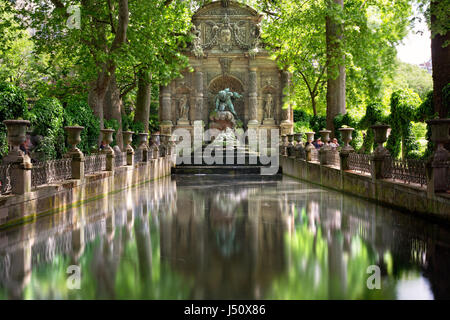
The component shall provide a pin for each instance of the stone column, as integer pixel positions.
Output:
(127, 139)
(107, 138)
(74, 138)
(438, 169)
(380, 155)
(286, 121)
(325, 149)
(20, 162)
(309, 146)
(198, 83)
(347, 148)
(253, 97)
(166, 105)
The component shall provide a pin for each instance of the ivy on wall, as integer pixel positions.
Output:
(404, 106)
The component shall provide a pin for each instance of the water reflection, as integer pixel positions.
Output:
(216, 238)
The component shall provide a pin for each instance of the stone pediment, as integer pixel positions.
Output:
(216, 9)
(229, 28)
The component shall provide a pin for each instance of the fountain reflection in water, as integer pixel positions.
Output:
(210, 238)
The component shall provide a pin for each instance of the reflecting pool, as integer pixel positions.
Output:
(215, 237)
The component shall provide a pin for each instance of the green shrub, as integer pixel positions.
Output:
(374, 114)
(404, 106)
(47, 120)
(13, 105)
(79, 113)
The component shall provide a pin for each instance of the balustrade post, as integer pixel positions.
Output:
(299, 147)
(438, 164)
(347, 148)
(107, 139)
(309, 145)
(326, 148)
(77, 156)
(155, 146)
(291, 146)
(127, 139)
(143, 146)
(379, 157)
(20, 162)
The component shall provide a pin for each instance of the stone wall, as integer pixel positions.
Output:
(388, 192)
(50, 199)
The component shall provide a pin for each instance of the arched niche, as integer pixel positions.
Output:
(234, 84)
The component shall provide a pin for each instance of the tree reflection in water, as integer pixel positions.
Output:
(224, 238)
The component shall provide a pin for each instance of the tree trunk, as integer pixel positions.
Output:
(143, 99)
(335, 70)
(441, 65)
(113, 108)
(313, 102)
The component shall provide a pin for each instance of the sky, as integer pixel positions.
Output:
(416, 47)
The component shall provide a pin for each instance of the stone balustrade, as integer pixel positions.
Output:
(432, 174)
(19, 176)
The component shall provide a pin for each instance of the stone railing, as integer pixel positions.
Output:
(332, 158)
(18, 175)
(315, 155)
(409, 171)
(121, 159)
(5, 179)
(359, 162)
(52, 171)
(95, 163)
(433, 173)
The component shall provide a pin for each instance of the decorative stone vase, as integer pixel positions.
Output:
(127, 140)
(74, 137)
(298, 137)
(325, 134)
(309, 139)
(17, 134)
(143, 140)
(347, 137)
(107, 139)
(380, 137)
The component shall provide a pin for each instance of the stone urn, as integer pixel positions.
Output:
(346, 134)
(325, 135)
(17, 134)
(107, 139)
(127, 140)
(74, 137)
(298, 138)
(143, 140)
(309, 139)
(380, 137)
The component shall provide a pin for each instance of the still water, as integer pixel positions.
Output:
(212, 237)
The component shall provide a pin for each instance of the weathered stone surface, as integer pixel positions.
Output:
(227, 53)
